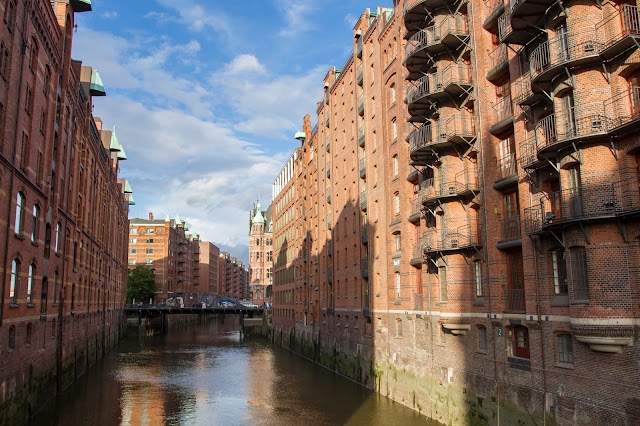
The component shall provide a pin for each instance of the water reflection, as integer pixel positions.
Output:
(208, 376)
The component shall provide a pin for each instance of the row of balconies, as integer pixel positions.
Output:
(450, 239)
(600, 201)
(453, 81)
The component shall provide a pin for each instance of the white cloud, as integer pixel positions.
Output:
(195, 17)
(350, 20)
(243, 64)
(295, 15)
(109, 14)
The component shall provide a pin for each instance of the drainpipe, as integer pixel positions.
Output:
(542, 351)
(23, 51)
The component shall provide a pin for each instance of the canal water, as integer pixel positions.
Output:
(208, 375)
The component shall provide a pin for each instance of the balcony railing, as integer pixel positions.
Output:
(362, 167)
(360, 75)
(435, 34)
(417, 253)
(528, 153)
(563, 48)
(510, 228)
(361, 136)
(506, 166)
(624, 108)
(514, 299)
(364, 234)
(361, 104)
(498, 57)
(329, 195)
(616, 28)
(502, 109)
(504, 25)
(424, 137)
(363, 200)
(459, 127)
(464, 181)
(522, 90)
(447, 239)
(580, 121)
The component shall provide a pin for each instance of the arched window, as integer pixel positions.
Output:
(392, 91)
(15, 281)
(32, 269)
(20, 201)
(33, 62)
(395, 165)
(36, 218)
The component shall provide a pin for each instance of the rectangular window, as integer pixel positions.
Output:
(398, 285)
(149, 262)
(482, 338)
(442, 279)
(133, 240)
(477, 276)
(559, 265)
(28, 101)
(579, 273)
(133, 231)
(149, 240)
(150, 231)
(132, 262)
(565, 349)
(132, 251)
(149, 251)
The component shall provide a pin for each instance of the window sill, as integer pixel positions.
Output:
(19, 236)
(564, 365)
(580, 302)
(30, 305)
(14, 305)
(481, 352)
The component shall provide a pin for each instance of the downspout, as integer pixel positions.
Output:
(542, 351)
(23, 51)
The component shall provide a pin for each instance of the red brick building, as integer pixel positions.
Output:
(63, 240)
(463, 220)
(209, 260)
(260, 254)
(172, 252)
(233, 277)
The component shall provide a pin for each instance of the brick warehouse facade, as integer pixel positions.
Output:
(460, 229)
(233, 277)
(172, 252)
(63, 208)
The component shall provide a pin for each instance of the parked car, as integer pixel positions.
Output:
(248, 304)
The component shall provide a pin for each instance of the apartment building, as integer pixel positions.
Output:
(233, 277)
(168, 248)
(260, 254)
(209, 259)
(469, 199)
(63, 239)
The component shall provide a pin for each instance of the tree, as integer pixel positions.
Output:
(141, 284)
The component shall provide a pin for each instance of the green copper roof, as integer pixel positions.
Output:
(121, 155)
(115, 145)
(96, 87)
(127, 187)
(81, 5)
(186, 228)
(131, 200)
(178, 221)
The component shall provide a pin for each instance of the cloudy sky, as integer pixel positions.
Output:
(206, 95)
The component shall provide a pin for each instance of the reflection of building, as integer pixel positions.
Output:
(167, 248)
(467, 206)
(64, 209)
(260, 254)
(233, 277)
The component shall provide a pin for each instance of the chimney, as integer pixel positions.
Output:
(150, 215)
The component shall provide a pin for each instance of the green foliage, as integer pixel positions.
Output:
(140, 284)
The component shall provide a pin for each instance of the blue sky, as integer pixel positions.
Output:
(206, 96)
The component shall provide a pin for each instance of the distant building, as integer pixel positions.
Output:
(233, 277)
(260, 254)
(209, 260)
(169, 250)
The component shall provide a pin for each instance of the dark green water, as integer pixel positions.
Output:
(206, 375)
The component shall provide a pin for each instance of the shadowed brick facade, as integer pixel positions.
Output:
(465, 213)
(233, 277)
(64, 210)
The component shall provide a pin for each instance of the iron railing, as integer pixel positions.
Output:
(360, 74)
(522, 88)
(528, 152)
(363, 200)
(361, 104)
(619, 24)
(363, 166)
(464, 181)
(416, 205)
(506, 166)
(434, 34)
(361, 135)
(458, 125)
(510, 228)
(514, 299)
(502, 110)
(504, 25)
(564, 47)
(498, 56)
(450, 239)
(623, 108)
(583, 120)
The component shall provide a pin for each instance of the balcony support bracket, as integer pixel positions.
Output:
(585, 232)
(575, 149)
(555, 166)
(614, 150)
(560, 240)
(606, 72)
(623, 231)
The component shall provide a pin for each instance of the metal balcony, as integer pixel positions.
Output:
(493, 9)
(506, 167)
(416, 209)
(499, 60)
(459, 128)
(514, 299)
(329, 195)
(328, 169)
(364, 234)
(529, 14)
(576, 204)
(363, 201)
(361, 136)
(529, 154)
(464, 184)
(453, 81)
(502, 117)
(582, 122)
(329, 247)
(450, 240)
(360, 74)
(523, 91)
(516, 31)
(623, 110)
(363, 167)
(449, 35)
(364, 267)
(565, 50)
(619, 31)
(416, 258)
(418, 13)
(423, 141)
(361, 104)
(509, 230)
